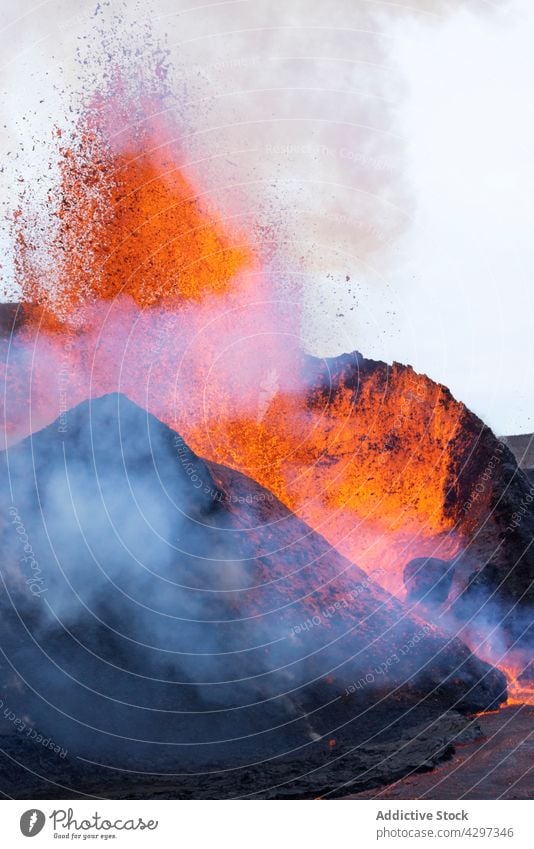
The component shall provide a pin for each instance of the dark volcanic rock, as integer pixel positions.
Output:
(11, 319)
(522, 447)
(428, 580)
(407, 739)
(496, 766)
(499, 540)
(154, 603)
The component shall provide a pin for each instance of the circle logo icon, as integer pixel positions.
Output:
(32, 822)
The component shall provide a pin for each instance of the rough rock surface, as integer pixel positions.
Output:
(495, 765)
(428, 580)
(365, 755)
(522, 447)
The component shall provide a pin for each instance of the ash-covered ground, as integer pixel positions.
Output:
(377, 748)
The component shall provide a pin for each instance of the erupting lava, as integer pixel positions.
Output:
(154, 297)
(128, 220)
(519, 674)
(139, 288)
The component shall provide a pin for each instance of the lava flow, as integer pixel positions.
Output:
(139, 287)
(519, 673)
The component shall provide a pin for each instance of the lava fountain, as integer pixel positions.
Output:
(131, 280)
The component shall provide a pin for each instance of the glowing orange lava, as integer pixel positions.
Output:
(342, 463)
(520, 688)
(140, 288)
(127, 220)
(154, 297)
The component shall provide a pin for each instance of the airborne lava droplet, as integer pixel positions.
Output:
(127, 219)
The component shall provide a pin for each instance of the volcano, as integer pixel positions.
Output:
(156, 600)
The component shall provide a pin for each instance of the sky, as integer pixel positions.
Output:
(464, 286)
(387, 145)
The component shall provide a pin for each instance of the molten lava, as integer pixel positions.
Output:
(365, 462)
(127, 219)
(137, 287)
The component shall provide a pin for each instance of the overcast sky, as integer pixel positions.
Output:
(464, 288)
(389, 144)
